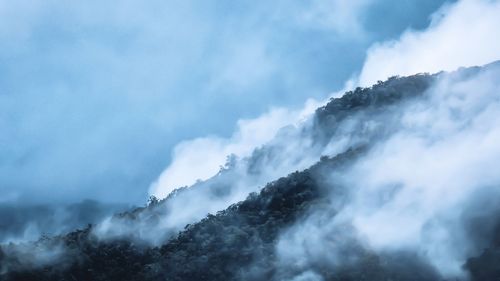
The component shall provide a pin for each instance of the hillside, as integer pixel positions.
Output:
(248, 221)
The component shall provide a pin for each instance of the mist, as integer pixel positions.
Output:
(419, 199)
(292, 148)
(224, 171)
(112, 104)
(426, 187)
(28, 222)
(95, 97)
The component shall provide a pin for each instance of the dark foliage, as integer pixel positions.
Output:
(377, 98)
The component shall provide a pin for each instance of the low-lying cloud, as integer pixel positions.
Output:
(293, 148)
(28, 222)
(440, 160)
(429, 187)
(200, 159)
(421, 188)
(95, 96)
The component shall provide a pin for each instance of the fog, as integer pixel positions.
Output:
(27, 222)
(425, 190)
(95, 97)
(428, 187)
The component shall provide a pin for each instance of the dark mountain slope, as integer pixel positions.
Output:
(239, 242)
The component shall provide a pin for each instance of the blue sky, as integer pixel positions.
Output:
(94, 95)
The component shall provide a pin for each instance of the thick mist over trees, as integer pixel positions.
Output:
(325, 140)
(352, 214)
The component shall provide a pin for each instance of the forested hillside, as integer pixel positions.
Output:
(249, 220)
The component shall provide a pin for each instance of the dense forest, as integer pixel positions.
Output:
(239, 242)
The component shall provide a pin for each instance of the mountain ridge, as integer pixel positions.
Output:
(238, 242)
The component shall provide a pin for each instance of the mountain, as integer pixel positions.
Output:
(298, 227)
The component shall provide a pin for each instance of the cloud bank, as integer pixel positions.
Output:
(421, 189)
(460, 35)
(290, 150)
(94, 96)
(425, 187)
(409, 178)
(27, 222)
(200, 159)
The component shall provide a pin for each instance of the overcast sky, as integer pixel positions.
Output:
(95, 95)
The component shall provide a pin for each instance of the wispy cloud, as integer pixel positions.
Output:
(202, 158)
(421, 189)
(94, 95)
(461, 34)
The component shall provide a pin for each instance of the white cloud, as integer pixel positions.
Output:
(109, 79)
(201, 158)
(440, 158)
(416, 190)
(463, 34)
